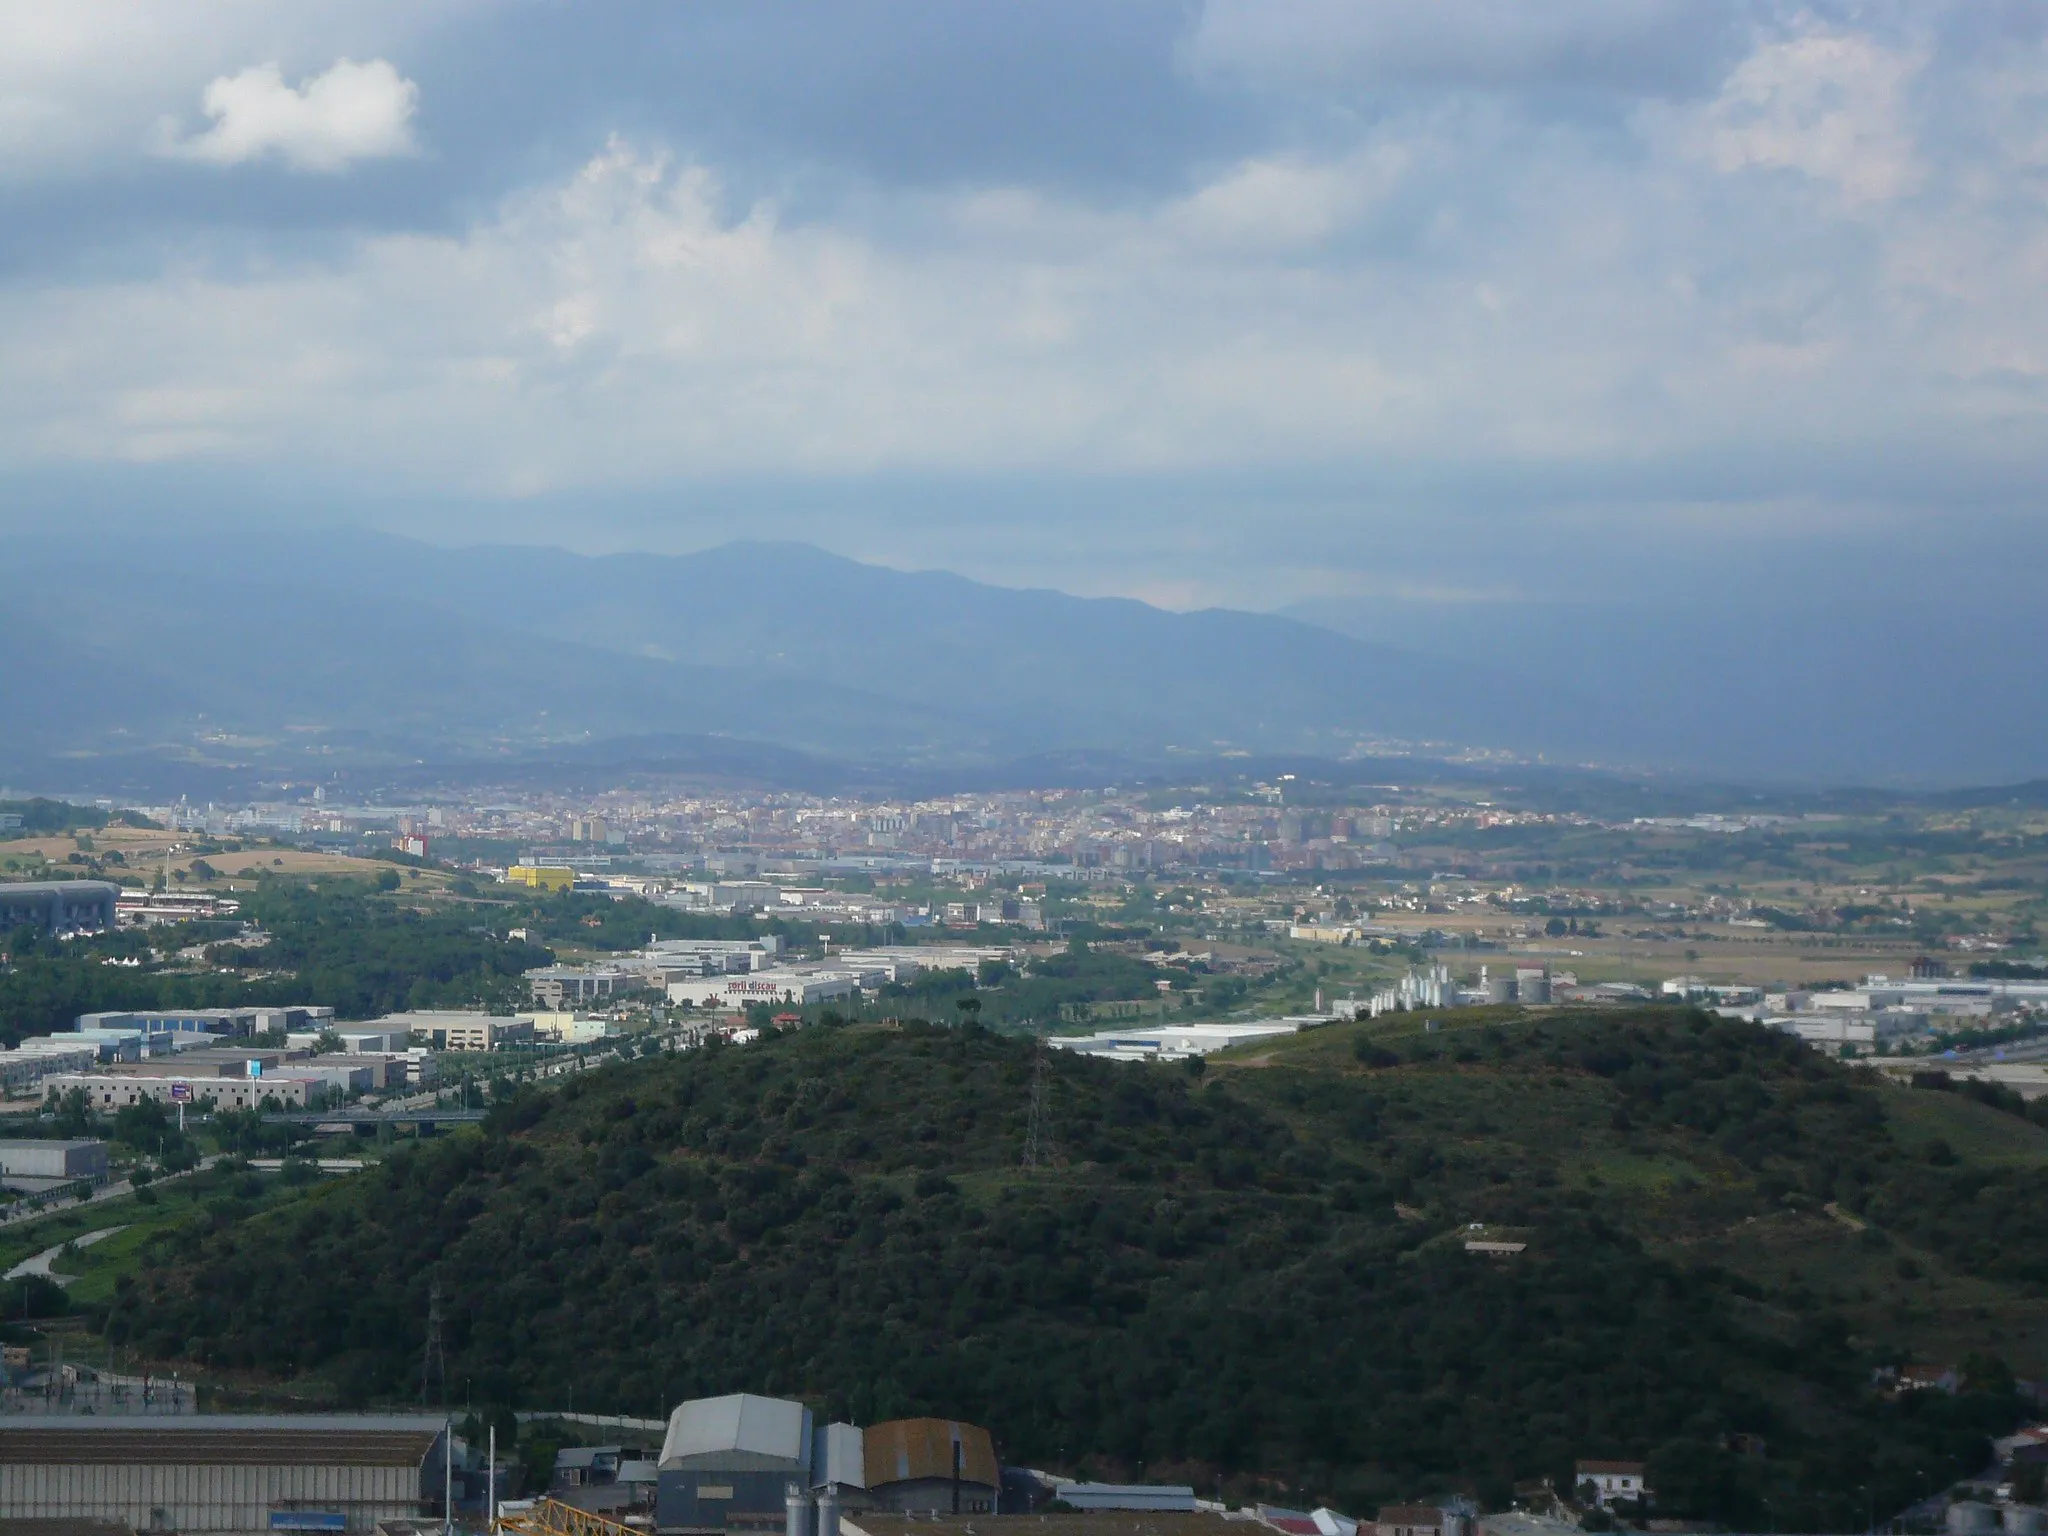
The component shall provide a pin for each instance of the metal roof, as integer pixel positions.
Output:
(906, 1450)
(837, 1456)
(760, 1426)
(219, 1440)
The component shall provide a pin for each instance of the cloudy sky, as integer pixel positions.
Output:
(1244, 301)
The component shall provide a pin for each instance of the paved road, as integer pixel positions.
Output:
(113, 1191)
(40, 1264)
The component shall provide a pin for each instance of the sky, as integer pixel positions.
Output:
(1430, 304)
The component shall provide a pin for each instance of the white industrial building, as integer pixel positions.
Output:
(1176, 1042)
(52, 1162)
(788, 988)
(222, 1473)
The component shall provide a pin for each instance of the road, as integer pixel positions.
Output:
(113, 1191)
(40, 1264)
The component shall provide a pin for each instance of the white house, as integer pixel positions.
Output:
(1613, 1481)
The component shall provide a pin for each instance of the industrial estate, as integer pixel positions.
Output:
(302, 1092)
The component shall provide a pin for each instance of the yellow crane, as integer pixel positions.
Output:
(551, 1517)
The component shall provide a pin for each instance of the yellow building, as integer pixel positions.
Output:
(541, 877)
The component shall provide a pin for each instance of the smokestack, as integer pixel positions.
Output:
(956, 1471)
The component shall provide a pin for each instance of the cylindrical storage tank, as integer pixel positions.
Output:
(2027, 1519)
(1534, 989)
(1500, 989)
(828, 1512)
(1966, 1515)
(796, 1511)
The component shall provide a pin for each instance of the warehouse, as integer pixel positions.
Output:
(55, 1160)
(727, 1462)
(57, 906)
(931, 1466)
(216, 1472)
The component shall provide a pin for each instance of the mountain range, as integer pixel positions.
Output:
(355, 648)
(275, 654)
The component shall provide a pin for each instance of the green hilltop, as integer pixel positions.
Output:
(1255, 1274)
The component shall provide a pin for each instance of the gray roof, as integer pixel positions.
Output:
(838, 1456)
(218, 1440)
(742, 1423)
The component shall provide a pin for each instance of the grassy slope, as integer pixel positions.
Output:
(1259, 1273)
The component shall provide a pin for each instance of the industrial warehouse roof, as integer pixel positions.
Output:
(742, 1424)
(219, 1440)
(905, 1450)
(837, 1457)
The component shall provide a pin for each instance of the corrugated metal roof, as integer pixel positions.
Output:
(838, 1455)
(219, 1440)
(764, 1426)
(905, 1450)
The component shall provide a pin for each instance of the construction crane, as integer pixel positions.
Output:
(551, 1517)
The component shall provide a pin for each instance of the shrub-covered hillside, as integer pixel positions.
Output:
(1256, 1272)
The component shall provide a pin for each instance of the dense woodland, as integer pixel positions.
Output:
(1251, 1274)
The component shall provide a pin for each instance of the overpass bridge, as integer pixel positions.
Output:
(349, 1119)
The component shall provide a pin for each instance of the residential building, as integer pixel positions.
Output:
(1415, 1520)
(1612, 1482)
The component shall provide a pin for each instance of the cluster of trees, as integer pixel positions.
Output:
(1255, 1274)
(1049, 992)
(366, 957)
(41, 817)
(336, 943)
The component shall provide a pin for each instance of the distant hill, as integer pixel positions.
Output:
(1258, 1274)
(360, 648)
(1914, 678)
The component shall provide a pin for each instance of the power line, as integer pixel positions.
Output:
(1037, 1134)
(434, 1362)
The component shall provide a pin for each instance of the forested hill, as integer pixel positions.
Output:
(1257, 1272)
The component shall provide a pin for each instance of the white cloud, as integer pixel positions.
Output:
(85, 84)
(1456, 288)
(351, 112)
(1831, 105)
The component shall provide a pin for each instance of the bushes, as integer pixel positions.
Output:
(1210, 1273)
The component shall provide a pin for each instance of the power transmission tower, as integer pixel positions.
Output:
(1037, 1138)
(435, 1361)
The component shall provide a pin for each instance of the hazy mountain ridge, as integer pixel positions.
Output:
(281, 647)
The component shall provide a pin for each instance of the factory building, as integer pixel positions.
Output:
(53, 1162)
(935, 1466)
(58, 906)
(542, 877)
(221, 1473)
(210, 1021)
(727, 1463)
(777, 988)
